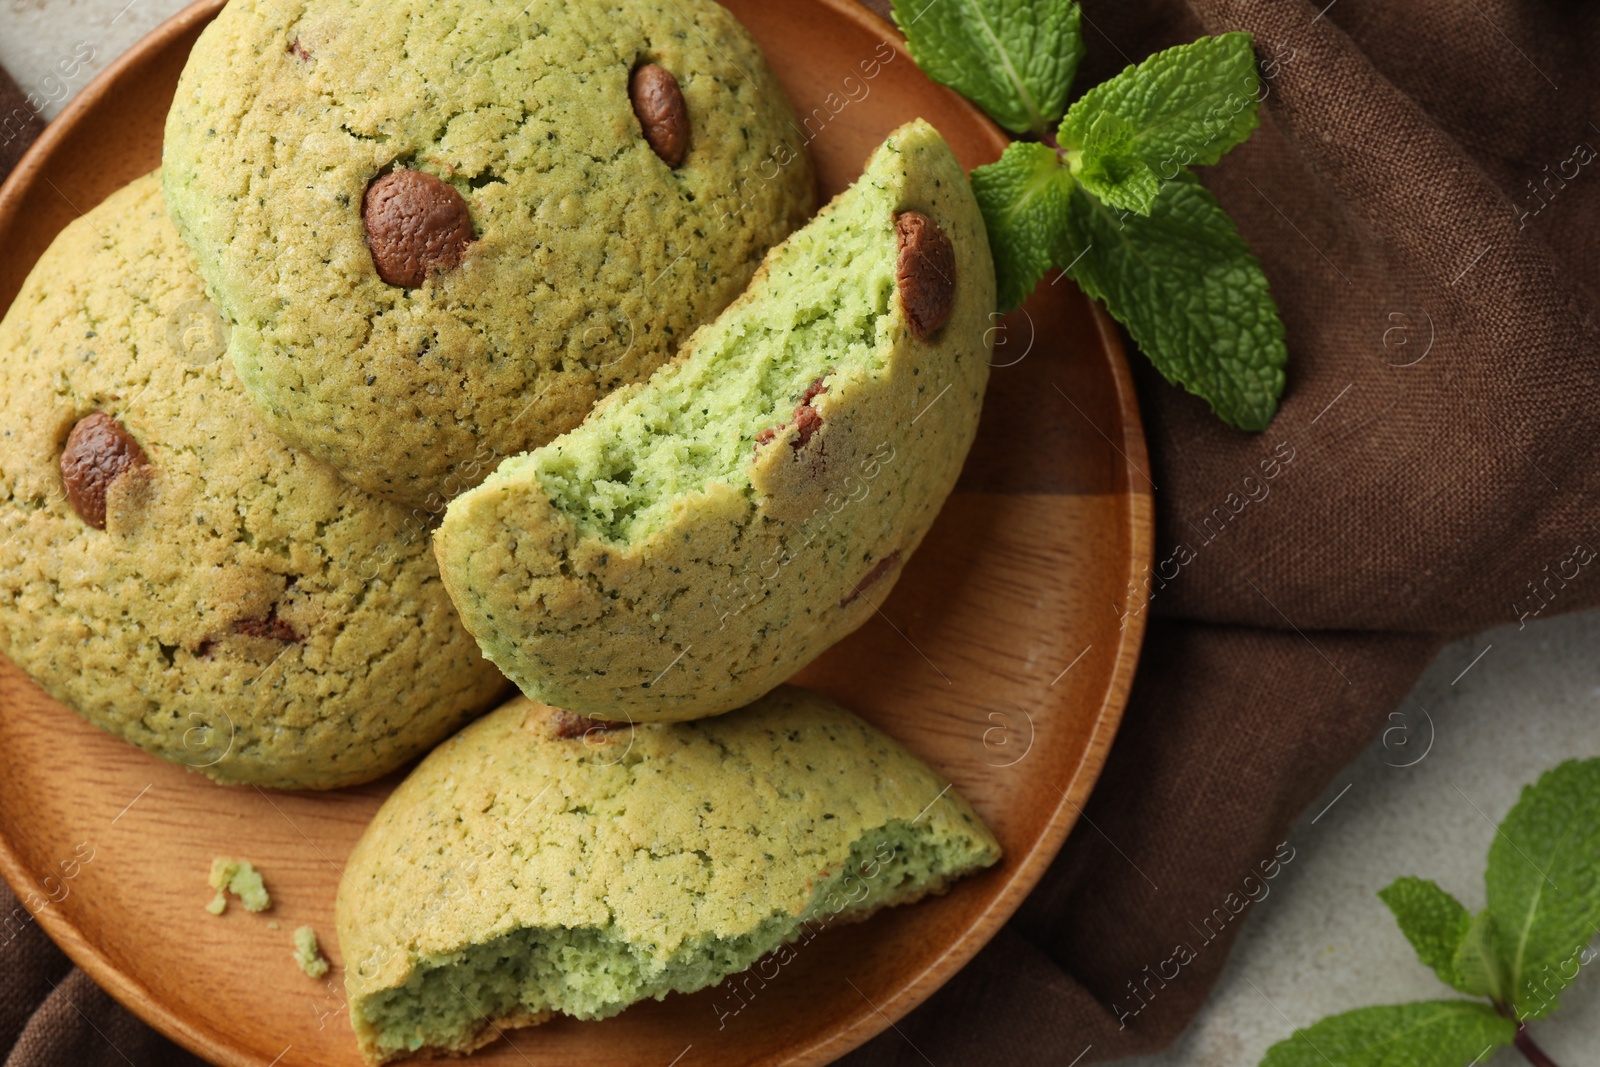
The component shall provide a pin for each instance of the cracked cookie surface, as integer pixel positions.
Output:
(244, 610)
(590, 258)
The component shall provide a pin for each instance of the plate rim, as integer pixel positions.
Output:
(1138, 508)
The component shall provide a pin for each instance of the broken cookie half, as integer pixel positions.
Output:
(703, 535)
(518, 873)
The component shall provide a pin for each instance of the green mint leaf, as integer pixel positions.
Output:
(1430, 1033)
(1013, 58)
(1187, 288)
(1479, 968)
(1108, 168)
(1024, 196)
(1432, 920)
(1544, 884)
(1187, 105)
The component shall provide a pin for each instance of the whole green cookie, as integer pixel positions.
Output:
(705, 534)
(171, 569)
(544, 868)
(442, 229)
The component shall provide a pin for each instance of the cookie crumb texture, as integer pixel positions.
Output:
(547, 875)
(308, 954)
(597, 245)
(240, 878)
(706, 534)
(244, 611)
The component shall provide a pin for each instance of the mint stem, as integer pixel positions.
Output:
(1530, 1051)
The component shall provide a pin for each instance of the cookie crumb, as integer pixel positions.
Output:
(240, 878)
(307, 954)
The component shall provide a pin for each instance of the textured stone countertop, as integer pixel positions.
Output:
(1489, 716)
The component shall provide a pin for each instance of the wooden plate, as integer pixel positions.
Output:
(1003, 658)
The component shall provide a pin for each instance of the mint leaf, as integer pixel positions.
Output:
(1187, 105)
(1187, 288)
(1544, 884)
(1108, 168)
(1479, 968)
(1013, 58)
(1430, 1033)
(1024, 196)
(1432, 920)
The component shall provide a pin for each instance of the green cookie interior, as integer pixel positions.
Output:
(521, 872)
(596, 971)
(695, 422)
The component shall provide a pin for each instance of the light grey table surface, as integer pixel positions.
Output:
(1320, 941)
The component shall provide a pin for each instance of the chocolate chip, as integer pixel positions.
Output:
(926, 272)
(99, 450)
(569, 725)
(807, 422)
(417, 225)
(879, 569)
(658, 102)
(806, 419)
(271, 627)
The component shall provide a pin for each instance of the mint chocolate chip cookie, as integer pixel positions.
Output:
(544, 873)
(442, 229)
(705, 534)
(171, 569)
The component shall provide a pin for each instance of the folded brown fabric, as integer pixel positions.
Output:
(1421, 196)
(19, 123)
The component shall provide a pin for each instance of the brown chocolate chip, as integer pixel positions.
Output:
(879, 569)
(926, 271)
(270, 627)
(99, 450)
(805, 419)
(569, 725)
(417, 225)
(658, 102)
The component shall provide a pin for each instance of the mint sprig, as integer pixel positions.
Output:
(1429, 1033)
(1187, 105)
(1103, 191)
(1433, 921)
(1026, 198)
(1014, 58)
(1520, 953)
(1183, 282)
(1543, 884)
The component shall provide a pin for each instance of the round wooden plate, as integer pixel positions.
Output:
(1003, 658)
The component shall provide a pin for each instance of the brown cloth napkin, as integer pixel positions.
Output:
(1423, 194)
(19, 123)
